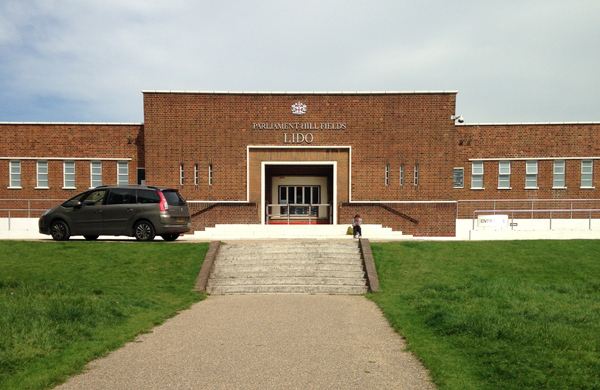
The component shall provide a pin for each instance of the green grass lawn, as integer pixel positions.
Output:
(62, 304)
(496, 315)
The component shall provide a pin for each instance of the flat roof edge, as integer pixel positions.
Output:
(302, 93)
(73, 123)
(527, 123)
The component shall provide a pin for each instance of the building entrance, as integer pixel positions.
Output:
(298, 194)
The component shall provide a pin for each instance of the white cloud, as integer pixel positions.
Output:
(524, 60)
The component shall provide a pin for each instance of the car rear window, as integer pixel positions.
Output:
(148, 196)
(174, 198)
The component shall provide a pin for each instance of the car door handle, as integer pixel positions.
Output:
(98, 211)
(129, 210)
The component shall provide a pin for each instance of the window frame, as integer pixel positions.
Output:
(556, 175)
(210, 174)
(92, 174)
(477, 176)
(120, 175)
(181, 175)
(590, 173)
(462, 183)
(69, 175)
(387, 174)
(401, 174)
(13, 184)
(196, 178)
(39, 182)
(530, 175)
(504, 177)
(416, 175)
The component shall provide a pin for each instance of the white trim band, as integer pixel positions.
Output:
(69, 158)
(533, 158)
(303, 93)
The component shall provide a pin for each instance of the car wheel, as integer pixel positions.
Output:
(143, 231)
(91, 238)
(170, 236)
(59, 231)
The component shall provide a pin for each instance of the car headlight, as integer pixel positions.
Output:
(46, 212)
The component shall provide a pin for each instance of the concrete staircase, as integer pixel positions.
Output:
(292, 267)
(269, 232)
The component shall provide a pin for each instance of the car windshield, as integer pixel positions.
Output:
(76, 198)
(174, 198)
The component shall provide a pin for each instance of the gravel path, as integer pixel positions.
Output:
(264, 342)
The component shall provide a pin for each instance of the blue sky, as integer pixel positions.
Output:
(88, 61)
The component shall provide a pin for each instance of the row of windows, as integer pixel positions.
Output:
(531, 174)
(196, 175)
(415, 174)
(68, 174)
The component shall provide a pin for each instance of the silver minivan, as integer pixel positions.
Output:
(137, 211)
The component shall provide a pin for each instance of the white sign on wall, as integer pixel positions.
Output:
(492, 220)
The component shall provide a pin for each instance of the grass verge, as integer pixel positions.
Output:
(496, 315)
(64, 304)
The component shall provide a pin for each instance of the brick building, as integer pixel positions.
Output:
(397, 158)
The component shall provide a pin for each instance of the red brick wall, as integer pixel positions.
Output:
(394, 129)
(434, 219)
(45, 141)
(554, 141)
(223, 213)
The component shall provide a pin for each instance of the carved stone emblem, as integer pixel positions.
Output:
(299, 108)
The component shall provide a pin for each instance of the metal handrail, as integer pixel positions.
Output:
(28, 213)
(287, 206)
(512, 217)
(532, 201)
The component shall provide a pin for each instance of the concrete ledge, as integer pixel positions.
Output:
(207, 266)
(369, 263)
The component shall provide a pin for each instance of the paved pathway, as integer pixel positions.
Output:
(264, 342)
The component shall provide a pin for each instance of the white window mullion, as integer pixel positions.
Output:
(69, 174)
(95, 174)
(559, 174)
(587, 172)
(477, 175)
(42, 174)
(122, 173)
(15, 174)
(531, 174)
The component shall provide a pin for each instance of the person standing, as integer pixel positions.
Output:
(356, 225)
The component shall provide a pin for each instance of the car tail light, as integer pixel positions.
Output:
(164, 206)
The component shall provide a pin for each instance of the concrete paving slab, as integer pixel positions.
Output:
(264, 342)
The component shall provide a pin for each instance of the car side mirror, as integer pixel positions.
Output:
(76, 205)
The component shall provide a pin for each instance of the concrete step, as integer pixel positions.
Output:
(289, 260)
(308, 272)
(241, 268)
(279, 289)
(288, 281)
(292, 267)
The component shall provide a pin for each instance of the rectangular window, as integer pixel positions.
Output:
(559, 174)
(181, 178)
(42, 174)
(196, 174)
(401, 174)
(477, 175)
(15, 174)
(531, 174)
(122, 173)
(587, 171)
(504, 174)
(387, 175)
(95, 174)
(210, 175)
(69, 174)
(416, 181)
(459, 177)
